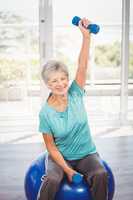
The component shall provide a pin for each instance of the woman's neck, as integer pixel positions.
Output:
(60, 98)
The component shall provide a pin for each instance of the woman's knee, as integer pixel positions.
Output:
(101, 174)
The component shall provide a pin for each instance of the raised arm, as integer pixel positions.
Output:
(83, 59)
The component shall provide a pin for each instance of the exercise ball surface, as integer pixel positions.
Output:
(111, 180)
(67, 191)
(71, 191)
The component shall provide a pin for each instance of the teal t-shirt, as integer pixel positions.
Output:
(70, 128)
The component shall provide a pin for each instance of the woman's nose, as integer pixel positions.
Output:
(59, 82)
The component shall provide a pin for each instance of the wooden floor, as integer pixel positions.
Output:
(15, 159)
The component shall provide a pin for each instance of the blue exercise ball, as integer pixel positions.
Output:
(34, 176)
(111, 180)
(67, 191)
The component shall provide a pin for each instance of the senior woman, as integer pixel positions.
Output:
(65, 128)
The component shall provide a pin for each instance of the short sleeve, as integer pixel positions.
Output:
(43, 124)
(76, 89)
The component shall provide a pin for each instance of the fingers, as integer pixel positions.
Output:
(84, 22)
(83, 26)
(70, 174)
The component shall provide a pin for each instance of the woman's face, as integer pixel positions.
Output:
(58, 83)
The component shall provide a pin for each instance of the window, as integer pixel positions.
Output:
(19, 56)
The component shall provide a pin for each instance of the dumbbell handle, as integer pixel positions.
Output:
(93, 28)
(77, 178)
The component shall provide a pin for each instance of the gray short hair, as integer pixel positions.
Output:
(53, 66)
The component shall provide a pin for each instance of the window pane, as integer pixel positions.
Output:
(106, 44)
(130, 87)
(19, 69)
(131, 42)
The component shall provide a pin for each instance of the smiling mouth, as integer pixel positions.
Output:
(61, 88)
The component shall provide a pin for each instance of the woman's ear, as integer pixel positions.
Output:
(48, 86)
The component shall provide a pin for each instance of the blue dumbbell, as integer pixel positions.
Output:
(93, 28)
(77, 178)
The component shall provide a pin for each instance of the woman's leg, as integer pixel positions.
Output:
(95, 174)
(51, 182)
